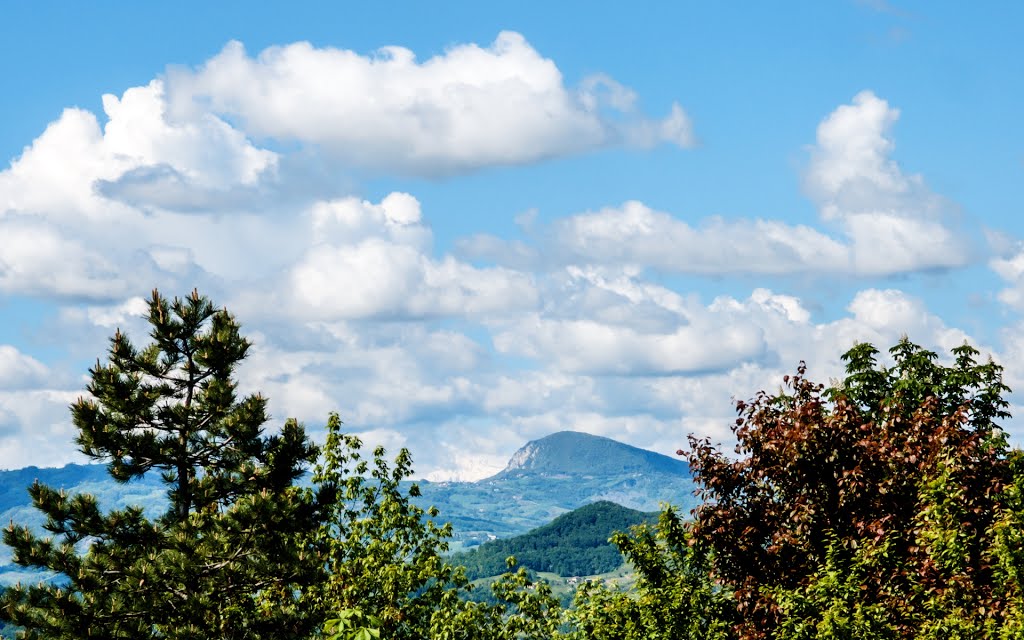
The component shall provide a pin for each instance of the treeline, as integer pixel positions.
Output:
(884, 505)
(573, 544)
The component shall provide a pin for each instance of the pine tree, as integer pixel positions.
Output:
(223, 561)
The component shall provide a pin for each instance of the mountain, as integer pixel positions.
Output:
(573, 544)
(543, 480)
(554, 475)
(16, 505)
(577, 453)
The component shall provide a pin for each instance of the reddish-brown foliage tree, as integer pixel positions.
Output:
(872, 458)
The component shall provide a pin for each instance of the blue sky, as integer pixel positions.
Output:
(470, 225)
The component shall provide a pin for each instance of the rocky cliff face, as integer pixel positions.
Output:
(577, 453)
(523, 459)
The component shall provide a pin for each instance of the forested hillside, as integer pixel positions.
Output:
(574, 544)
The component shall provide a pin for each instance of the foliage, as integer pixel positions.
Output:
(674, 597)
(831, 603)
(222, 561)
(873, 499)
(1007, 553)
(352, 624)
(381, 554)
(384, 558)
(526, 610)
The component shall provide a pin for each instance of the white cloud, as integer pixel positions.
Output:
(386, 376)
(19, 371)
(1010, 268)
(127, 313)
(468, 108)
(88, 212)
(597, 324)
(37, 257)
(884, 244)
(636, 234)
(852, 158)
(68, 170)
(371, 260)
(876, 244)
(881, 221)
(35, 429)
(34, 419)
(592, 347)
(397, 217)
(894, 221)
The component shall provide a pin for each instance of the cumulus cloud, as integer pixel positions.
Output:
(872, 244)
(373, 260)
(1010, 268)
(638, 235)
(895, 223)
(175, 165)
(75, 168)
(599, 325)
(93, 212)
(18, 370)
(352, 309)
(467, 108)
(36, 257)
(34, 425)
(588, 346)
(35, 429)
(380, 279)
(877, 220)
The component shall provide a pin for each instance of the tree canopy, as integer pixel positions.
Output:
(869, 506)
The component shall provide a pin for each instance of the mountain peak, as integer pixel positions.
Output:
(578, 453)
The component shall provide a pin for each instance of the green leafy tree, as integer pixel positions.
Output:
(876, 494)
(352, 624)
(1007, 554)
(831, 603)
(382, 555)
(525, 609)
(386, 558)
(674, 597)
(222, 562)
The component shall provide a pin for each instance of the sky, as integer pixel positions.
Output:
(463, 226)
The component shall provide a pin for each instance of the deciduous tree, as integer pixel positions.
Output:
(894, 474)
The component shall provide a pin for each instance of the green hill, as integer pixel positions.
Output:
(573, 544)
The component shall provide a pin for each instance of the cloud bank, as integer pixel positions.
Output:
(468, 108)
(594, 320)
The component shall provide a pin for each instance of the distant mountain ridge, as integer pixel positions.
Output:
(578, 453)
(544, 479)
(556, 474)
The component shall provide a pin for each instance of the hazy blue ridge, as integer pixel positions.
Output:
(554, 475)
(543, 480)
